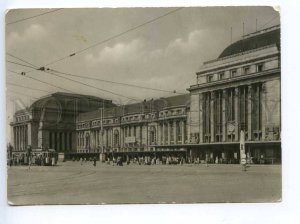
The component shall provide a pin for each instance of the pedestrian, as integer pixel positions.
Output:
(29, 163)
(81, 161)
(53, 161)
(95, 161)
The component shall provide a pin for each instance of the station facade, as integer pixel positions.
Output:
(154, 127)
(240, 91)
(237, 91)
(50, 122)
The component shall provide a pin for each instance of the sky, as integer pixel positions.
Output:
(164, 54)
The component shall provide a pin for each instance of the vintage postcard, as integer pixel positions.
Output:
(143, 105)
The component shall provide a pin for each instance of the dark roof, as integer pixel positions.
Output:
(136, 108)
(253, 42)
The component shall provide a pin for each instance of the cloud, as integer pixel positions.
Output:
(33, 33)
(120, 52)
(138, 62)
(184, 47)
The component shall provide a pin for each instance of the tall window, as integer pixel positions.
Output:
(260, 67)
(116, 138)
(233, 73)
(209, 78)
(257, 111)
(231, 101)
(218, 115)
(221, 75)
(243, 107)
(178, 131)
(172, 131)
(206, 116)
(87, 140)
(152, 135)
(246, 70)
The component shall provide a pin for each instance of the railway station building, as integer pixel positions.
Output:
(237, 91)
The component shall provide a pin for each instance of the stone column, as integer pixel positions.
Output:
(175, 131)
(20, 137)
(212, 119)
(249, 112)
(263, 110)
(53, 140)
(236, 113)
(158, 130)
(58, 142)
(169, 133)
(66, 141)
(29, 134)
(137, 130)
(63, 141)
(14, 138)
(25, 136)
(182, 132)
(112, 137)
(201, 117)
(163, 133)
(224, 122)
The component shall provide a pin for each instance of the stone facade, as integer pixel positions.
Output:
(240, 90)
(149, 126)
(50, 121)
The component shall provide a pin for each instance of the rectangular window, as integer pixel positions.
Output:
(221, 75)
(260, 67)
(233, 73)
(209, 78)
(246, 70)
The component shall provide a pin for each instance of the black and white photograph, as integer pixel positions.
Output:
(143, 105)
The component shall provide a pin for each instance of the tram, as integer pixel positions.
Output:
(44, 157)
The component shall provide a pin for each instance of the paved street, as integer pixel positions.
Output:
(71, 183)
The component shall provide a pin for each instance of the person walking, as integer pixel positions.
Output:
(95, 161)
(81, 161)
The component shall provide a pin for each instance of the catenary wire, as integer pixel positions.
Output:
(106, 40)
(104, 90)
(29, 77)
(113, 37)
(26, 87)
(269, 21)
(114, 82)
(50, 71)
(31, 17)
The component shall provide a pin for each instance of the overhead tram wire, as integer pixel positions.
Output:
(16, 63)
(113, 37)
(18, 73)
(31, 17)
(113, 82)
(11, 55)
(106, 40)
(82, 83)
(26, 87)
(91, 78)
(271, 20)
